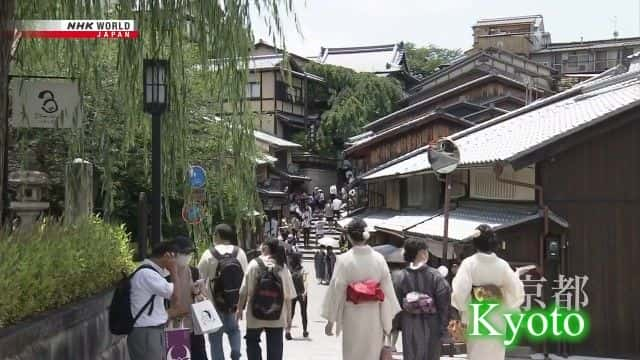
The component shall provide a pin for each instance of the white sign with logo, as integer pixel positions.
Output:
(46, 103)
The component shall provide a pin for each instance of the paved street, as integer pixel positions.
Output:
(318, 346)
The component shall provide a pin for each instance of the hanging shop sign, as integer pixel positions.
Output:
(45, 103)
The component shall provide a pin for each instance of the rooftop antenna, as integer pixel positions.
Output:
(615, 27)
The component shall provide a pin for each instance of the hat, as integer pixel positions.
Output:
(184, 244)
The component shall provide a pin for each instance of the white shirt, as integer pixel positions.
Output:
(144, 284)
(336, 204)
(208, 265)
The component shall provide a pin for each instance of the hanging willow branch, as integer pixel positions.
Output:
(189, 34)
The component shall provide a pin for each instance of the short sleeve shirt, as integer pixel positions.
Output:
(144, 284)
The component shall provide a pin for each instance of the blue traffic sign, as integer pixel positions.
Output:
(197, 176)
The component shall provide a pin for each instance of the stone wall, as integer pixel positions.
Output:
(77, 331)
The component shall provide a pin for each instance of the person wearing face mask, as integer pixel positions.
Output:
(351, 308)
(190, 292)
(425, 296)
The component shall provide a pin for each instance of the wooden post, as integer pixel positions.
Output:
(7, 8)
(142, 226)
(445, 240)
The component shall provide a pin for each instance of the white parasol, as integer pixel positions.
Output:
(329, 241)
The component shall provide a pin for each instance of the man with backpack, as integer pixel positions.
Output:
(223, 267)
(137, 308)
(268, 290)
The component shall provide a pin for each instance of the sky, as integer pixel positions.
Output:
(445, 23)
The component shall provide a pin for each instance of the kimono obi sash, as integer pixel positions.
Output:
(486, 292)
(364, 291)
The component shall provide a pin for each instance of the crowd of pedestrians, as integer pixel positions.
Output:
(363, 292)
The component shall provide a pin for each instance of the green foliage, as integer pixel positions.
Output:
(117, 135)
(354, 100)
(55, 264)
(425, 60)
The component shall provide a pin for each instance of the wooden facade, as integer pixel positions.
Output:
(412, 139)
(592, 181)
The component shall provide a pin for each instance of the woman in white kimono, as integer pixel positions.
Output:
(363, 325)
(485, 268)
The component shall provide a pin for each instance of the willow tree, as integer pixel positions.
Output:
(168, 29)
(354, 100)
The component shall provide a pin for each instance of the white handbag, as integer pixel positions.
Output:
(205, 318)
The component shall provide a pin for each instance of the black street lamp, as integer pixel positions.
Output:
(156, 100)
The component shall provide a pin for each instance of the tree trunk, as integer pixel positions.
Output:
(7, 8)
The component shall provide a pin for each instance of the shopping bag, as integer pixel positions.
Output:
(178, 343)
(205, 318)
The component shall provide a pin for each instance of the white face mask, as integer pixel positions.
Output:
(183, 260)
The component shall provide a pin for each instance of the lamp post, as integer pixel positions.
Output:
(156, 100)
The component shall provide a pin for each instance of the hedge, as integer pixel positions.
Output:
(54, 264)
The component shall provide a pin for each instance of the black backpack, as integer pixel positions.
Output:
(226, 284)
(268, 296)
(298, 281)
(121, 320)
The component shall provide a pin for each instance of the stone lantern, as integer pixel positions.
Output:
(29, 187)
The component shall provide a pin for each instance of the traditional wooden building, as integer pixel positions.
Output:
(275, 173)
(519, 34)
(382, 60)
(278, 92)
(526, 36)
(562, 169)
(474, 89)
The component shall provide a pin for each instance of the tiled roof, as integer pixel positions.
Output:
(274, 140)
(465, 219)
(372, 217)
(398, 223)
(407, 126)
(440, 96)
(518, 133)
(475, 54)
(378, 59)
(419, 162)
(270, 192)
(514, 137)
(265, 159)
(510, 20)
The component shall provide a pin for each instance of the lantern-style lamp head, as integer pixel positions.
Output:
(156, 85)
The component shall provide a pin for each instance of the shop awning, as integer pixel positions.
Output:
(466, 218)
(372, 217)
(265, 159)
(396, 224)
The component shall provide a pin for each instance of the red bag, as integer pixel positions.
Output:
(364, 291)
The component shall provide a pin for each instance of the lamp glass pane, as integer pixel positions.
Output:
(148, 94)
(161, 94)
(148, 74)
(161, 73)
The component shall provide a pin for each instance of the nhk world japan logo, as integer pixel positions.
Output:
(78, 29)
